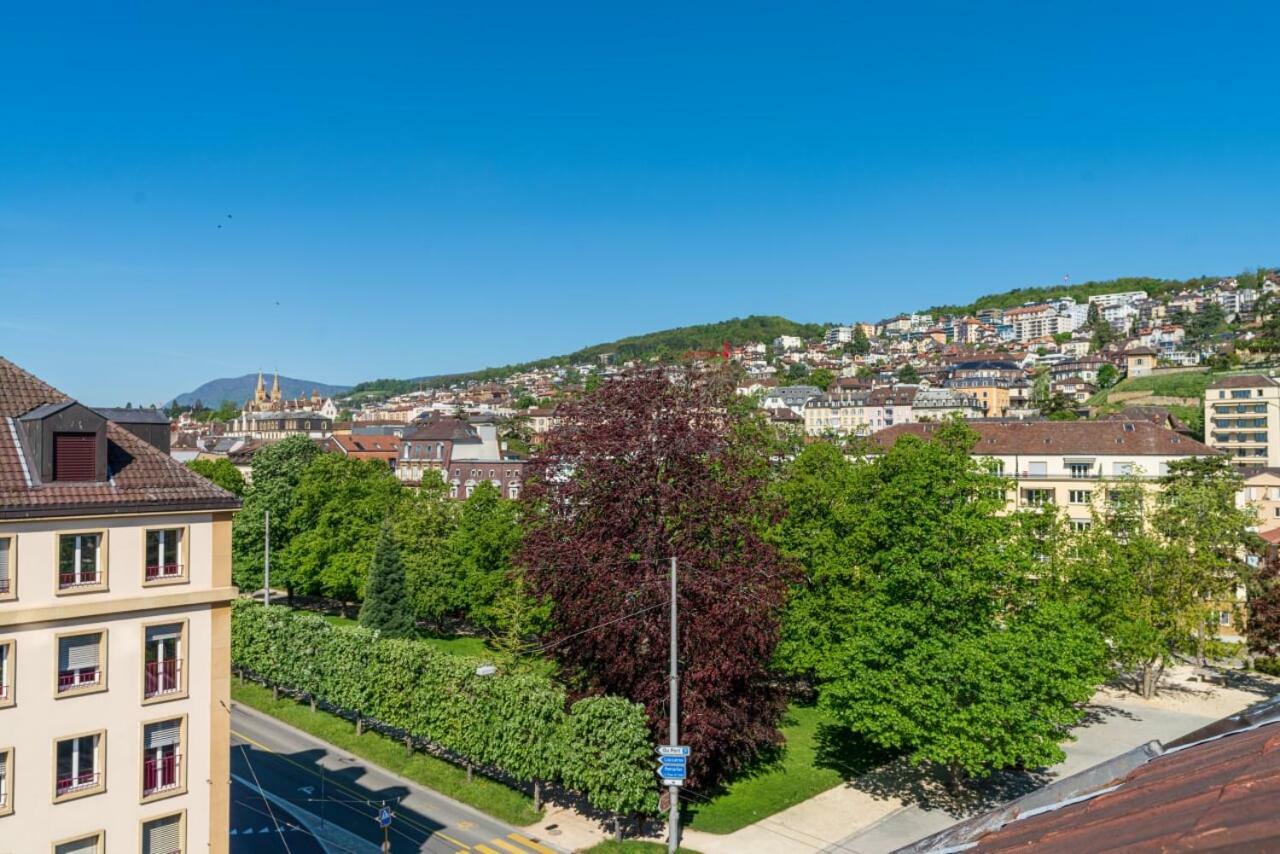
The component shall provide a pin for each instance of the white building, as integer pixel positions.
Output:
(787, 343)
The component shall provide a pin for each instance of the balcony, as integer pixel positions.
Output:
(69, 680)
(159, 572)
(78, 782)
(68, 580)
(160, 774)
(162, 677)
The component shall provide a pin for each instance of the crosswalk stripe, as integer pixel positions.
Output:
(529, 843)
(507, 846)
(485, 849)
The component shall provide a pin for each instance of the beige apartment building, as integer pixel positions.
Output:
(1242, 418)
(1070, 463)
(115, 591)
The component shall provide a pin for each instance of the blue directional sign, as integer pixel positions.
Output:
(384, 817)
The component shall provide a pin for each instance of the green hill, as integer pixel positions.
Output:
(668, 343)
(1080, 292)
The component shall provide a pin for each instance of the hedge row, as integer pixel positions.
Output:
(515, 723)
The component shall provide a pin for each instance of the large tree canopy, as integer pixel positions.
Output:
(647, 467)
(931, 622)
(277, 471)
(222, 472)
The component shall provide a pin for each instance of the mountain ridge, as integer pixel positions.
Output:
(239, 389)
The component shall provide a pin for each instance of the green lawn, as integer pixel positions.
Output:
(488, 796)
(1190, 384)
(810, 763)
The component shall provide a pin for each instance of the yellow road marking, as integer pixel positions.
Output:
(349, 790)
(507, 846)
(485, 849)
(529, 843)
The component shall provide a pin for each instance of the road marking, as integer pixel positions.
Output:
(485, 849)
(337, 785)
(507, 846)
(529, 843)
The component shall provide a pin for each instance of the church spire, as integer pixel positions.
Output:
(260, 393)
(275, 388)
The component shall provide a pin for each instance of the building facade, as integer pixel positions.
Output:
(462, 455)
(115, 622)
(1242, 418)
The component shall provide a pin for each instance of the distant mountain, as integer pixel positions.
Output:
(240, 389)
(668, 342)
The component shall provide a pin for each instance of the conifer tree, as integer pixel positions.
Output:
(386, 605)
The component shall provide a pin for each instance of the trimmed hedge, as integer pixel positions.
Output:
(514, 723)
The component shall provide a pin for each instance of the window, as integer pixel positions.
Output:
(91, 844)
(1080, 470)
(80, 561)
(79, 766)
(1079, 496)
(80, 661)
(163, 835)
(1240, 394)
(1037, 497)
(162, 661)
(1224, 618)
(6, 774)
(7, 648)
(1037, 469)
(164, 554)
(7, 588)
(161, 758)
(1122, 468)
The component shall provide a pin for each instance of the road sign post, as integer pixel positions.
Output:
(384, 821)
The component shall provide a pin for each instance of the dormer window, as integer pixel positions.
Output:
(74, 456)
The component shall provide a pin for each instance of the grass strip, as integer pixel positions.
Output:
(488, 796)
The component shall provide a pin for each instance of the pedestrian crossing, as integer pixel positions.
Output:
(512, 843)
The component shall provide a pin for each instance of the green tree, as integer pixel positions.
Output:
(822, 378)
(480, 551)
(860, 345)
(424, 523)
(908, 374)
(593, 380)
(798, 372)
(1108, 376)
(934, 617)
(222, 472)
(277, 470)
(340, 503)
(386, 608)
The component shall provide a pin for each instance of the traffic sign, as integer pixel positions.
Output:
(673, 750)
(674, 760)
(670, 782)
(384, 817)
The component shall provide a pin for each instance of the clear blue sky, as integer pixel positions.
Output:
(439, 187)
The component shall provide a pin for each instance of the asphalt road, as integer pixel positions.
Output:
(294, 794)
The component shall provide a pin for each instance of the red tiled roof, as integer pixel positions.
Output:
(1138, 438)
(1220, 795)
(141, 477)
(365, 444)
(1251, 381)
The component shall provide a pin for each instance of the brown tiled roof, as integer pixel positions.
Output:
(1250, 381)
(442, 430)
(141, 477)
(1220, 795)
(1138, 438)
(380, 446)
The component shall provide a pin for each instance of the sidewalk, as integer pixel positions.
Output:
(896, 805)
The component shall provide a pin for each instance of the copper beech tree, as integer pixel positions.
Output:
(655, 464)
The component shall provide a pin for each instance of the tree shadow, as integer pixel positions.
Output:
(1096, 713)
(926, 786)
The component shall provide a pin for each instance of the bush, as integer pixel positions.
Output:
(512, 722)
(1269, 666)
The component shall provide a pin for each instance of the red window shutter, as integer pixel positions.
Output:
(73, 456)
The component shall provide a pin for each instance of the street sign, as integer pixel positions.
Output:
(674, 760)
(673, 750)
(384, 817)
(669, 782)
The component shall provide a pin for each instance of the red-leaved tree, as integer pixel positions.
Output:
(652, 465)
(1263, 626)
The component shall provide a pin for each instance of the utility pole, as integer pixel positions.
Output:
(266, 564)
(673, 822)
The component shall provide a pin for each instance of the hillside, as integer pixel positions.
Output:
(1080, 292)
(1181, 393)
(666, 343)
(240, 389)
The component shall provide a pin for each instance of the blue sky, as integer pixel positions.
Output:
(416, 189)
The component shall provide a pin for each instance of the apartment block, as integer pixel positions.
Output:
(115, 591)
(1242, 418)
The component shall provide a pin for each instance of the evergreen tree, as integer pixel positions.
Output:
(386, 606)
(859, 346)
(908, 374)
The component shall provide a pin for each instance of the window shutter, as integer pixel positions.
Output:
(162, 836)
(163, 734)
(73, 456)
(4, 766)
(88, 845)
(4, 563)
(79, 652)
(164, 633)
